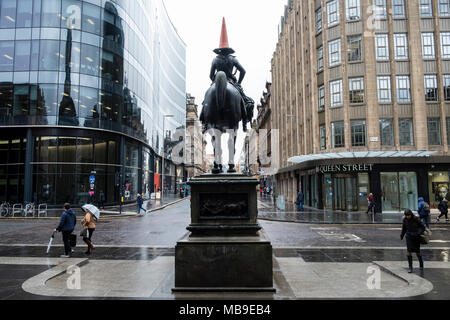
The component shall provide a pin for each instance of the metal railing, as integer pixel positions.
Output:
(42, 209)
(17, 208)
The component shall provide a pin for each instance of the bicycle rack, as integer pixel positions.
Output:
(42, 210)
(28, 210)
(15, 210)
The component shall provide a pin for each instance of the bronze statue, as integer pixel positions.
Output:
(225, 103)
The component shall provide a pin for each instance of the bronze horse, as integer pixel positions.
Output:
(223, 109)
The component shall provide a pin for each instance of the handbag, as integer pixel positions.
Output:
(83, 233)
(425, 237)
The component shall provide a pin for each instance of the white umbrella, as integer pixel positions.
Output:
(50, 242)
(92, 209)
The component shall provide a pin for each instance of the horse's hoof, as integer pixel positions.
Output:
(216, 171)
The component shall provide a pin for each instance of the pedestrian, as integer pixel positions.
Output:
(413, 227)
(102, 199)
(260, 191)
(88, 223)
(66, 226)
(424, 212)
(140, 202)
(300, 200)
(443, 209)
(371, 203)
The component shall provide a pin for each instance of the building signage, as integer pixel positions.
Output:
(345, 168)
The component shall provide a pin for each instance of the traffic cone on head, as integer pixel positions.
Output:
(224, 47)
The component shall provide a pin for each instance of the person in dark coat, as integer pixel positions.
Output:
(102, 199)
(443, 209)
(300, 200)
(66, 226)
(413, 227)
(140, 202)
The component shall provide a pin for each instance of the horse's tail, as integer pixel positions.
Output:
(221, 88)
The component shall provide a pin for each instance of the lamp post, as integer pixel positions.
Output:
(164, 154)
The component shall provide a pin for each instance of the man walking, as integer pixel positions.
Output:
(300, 200)
(443, 209)
(140, 202)
(66, 226)
(102, 199)
(424, 212)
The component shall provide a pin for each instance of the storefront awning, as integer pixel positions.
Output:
(359, 155)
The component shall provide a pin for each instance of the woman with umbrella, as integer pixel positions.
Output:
(91, 214)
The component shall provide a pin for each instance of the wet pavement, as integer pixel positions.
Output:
(268, 210)
(311, 260)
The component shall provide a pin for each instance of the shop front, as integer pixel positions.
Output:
(397, 180)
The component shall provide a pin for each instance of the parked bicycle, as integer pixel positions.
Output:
(5, 210)
(29, 209)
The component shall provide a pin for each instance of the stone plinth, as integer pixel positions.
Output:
(225, 249)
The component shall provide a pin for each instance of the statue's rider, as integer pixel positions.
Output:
(226, 62)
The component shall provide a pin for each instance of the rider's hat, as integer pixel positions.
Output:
(224, 47)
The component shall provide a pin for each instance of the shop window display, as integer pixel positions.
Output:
(438, 183)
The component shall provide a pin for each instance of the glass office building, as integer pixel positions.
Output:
(84, 86)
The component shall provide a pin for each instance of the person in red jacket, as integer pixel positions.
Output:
(371, 203)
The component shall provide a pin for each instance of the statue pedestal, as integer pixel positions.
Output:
(225, 249)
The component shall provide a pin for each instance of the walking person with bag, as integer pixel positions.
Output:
(88, 229)
(424, 212)
(66, 227)
(413, 228)
(443, 209)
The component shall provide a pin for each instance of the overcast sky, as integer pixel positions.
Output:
(252, 32)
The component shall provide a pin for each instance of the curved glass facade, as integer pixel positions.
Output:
(112, 68)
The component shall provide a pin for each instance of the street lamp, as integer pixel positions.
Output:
(164, 154)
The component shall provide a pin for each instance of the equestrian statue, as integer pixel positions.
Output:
(225, 103)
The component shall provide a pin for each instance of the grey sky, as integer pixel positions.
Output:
(252, 32)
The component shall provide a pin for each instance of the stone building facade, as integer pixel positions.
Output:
(360, 94)
(195, 144)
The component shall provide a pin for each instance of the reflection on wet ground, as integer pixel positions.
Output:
(267, 209)
(309, 255)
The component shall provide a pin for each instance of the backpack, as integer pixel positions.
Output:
(426, 209)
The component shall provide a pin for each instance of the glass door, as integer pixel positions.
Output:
(389, 191)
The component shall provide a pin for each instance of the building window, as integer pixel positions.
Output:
(431, 88)
(428, 45)
(380, 9)
(382, 47)
(334, 51)
(353, 10)
(447, 87)
(336, 93)
(445, 45)
(354, 44)
(338, 134)
(406, 132)
(384, 89)
(321, 98)
(403, 89)
(434, 131)
(333, 12)
(323, 137)
(387, 132)
(356, 88)
(7, 13)
(320, 59)
(401, 46)
(319, 21)
(426, 8)
(444, 8)
(448, 131)
(7, 55)
(358, 133)
(398, 9)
